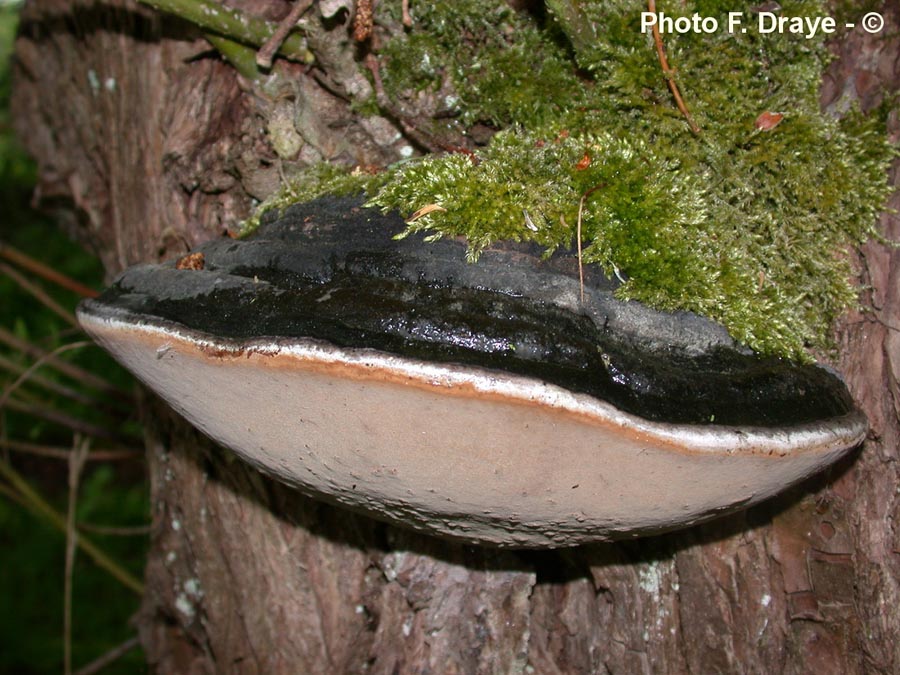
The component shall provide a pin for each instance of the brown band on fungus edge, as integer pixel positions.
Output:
(476, 384)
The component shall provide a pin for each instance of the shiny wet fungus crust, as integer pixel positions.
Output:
(333, 272)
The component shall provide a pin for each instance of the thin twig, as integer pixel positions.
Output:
(411, 130)
(103, 530)
(51, 385)
(12, 495)
(37, 364)
(39, 505)
(109, 455)
(80, 449)
(80, 375)
(109, 657)
(404, 12)
(587, 193)
(39, 294)
(64, 420)
(267, 52)
(578, 244)
(36, 267)
(116, 531)
(668, 72)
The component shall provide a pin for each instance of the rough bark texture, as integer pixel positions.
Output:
(148, 143)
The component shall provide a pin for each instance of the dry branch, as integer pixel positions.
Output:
(80, 449)
(80, 375)
(29, 372)
(107, 455)
(109, 657)
(39, 294)
(36, 267)
(669, 72)
(38, 505)
(50, 385)
(273, 44)
(64, 420)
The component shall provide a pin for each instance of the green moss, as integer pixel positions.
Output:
(503, 67)
(749, 227)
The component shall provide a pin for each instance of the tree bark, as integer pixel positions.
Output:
(147, 144)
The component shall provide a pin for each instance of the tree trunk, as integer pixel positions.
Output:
(148, 143)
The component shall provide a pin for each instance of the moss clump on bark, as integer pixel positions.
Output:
(747, 222)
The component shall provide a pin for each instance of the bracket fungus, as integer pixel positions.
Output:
(485, 402)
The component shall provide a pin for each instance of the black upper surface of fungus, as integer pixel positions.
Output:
(332, 271)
